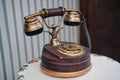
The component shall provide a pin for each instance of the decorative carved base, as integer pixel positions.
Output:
(65, 60)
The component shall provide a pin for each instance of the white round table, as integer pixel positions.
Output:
(103, 68)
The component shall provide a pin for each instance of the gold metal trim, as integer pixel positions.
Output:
(54, 42)
(44, 13)
(65, 74)
(71, 49)
(32, 26)
(72, 16)
(32, 15)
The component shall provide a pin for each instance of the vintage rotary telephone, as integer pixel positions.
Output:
(60, 58)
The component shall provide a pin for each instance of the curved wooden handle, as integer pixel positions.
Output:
(55, 12)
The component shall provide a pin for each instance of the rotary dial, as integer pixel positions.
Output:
(71, 49)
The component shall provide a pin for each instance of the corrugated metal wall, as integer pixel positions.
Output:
(15, 47)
